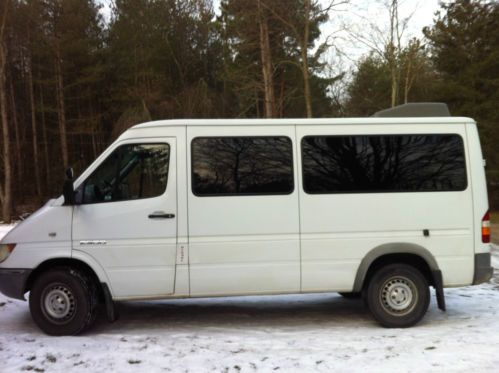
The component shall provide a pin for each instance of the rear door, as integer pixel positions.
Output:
(127, 219)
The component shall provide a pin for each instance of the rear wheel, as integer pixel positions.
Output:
(398, 296)
(63, 301)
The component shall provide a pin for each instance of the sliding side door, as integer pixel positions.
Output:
(243, 210)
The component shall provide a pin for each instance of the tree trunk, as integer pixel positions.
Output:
(394, 86)
(17, 135)
(281, 96)
(36, 163)
(60, 105)
(45, 142)
(306, 83)
(6, 188)
(257, 103)
(94, 145)
(302, 39)
(94, 129)
(407, 85)
(267, 70)
(304, 58)
(393, 51)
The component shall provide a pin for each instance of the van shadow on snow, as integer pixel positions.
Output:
(281, 311)
(276, 313)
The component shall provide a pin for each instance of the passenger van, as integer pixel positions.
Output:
(381, 207)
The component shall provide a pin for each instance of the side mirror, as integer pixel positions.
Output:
(68, 188)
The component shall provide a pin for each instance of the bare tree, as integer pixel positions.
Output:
(299, 24)
(414, 60)
(266, 58)
(394, 47)
(61, 111)
(34, 128)
(387, 43)
(6, 188)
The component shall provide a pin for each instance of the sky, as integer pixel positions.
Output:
(362, 17)
(422, 10)
(359, 17)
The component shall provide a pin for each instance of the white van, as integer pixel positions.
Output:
(384, 207)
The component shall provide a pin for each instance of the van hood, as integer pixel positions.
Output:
(52, 222)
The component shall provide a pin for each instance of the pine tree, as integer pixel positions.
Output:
(465, 50)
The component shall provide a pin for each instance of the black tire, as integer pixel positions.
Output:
(398, 296)
(352, 295)
(63, 301)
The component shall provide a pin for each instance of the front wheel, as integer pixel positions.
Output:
(63, 301)
(398, 296)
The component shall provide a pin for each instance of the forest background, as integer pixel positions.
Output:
(73, 78)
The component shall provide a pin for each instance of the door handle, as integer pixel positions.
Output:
(161, 215)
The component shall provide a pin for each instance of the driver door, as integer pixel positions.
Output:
(125, 218)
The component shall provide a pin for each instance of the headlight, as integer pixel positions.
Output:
(5, 251)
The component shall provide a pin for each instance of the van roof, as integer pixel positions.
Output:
(302, 121)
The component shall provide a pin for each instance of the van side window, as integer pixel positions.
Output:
(132, 171)
(230, 166)
(387, 163)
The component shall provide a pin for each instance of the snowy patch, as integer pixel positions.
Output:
(317, 332)
(5, 228)
(287, 333)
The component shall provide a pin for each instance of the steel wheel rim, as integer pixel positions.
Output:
(58, 303)
(398, 296)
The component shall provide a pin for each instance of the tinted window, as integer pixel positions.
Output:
(242, 166)
(132, 171)
(403, 163)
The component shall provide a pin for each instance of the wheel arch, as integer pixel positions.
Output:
(98, 276)
(404, 252)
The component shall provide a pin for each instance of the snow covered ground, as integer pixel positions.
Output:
(4, 228)
(293, 333)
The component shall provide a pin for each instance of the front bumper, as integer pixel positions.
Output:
(483, 269)
(13, 282)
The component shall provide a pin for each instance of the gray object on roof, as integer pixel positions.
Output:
(418, 109)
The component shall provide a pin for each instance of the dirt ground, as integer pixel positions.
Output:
(495, 227)
(495, 233)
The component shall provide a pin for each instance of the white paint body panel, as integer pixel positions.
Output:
(45, 235)
(243, 244)
(479, 186)
(338, 230)
(258, 244)
(137, 253)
